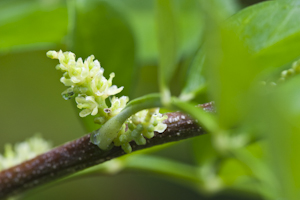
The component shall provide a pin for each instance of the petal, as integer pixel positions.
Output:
(84, 113)
(95, 111)
(80, 100)
(114, 90)
(90, 98)
(52, 54)
(97, 64)
(160, 127)
(74, 79)
(66, 81)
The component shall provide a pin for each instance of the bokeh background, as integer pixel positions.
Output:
(122, 36)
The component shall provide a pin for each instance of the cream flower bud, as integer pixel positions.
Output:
(150, 117)
(142, 125)
(79, 71)
(117, 104)
(103, 87)
(52, 54)
(113, 90)
(88, 104)
(87, 73)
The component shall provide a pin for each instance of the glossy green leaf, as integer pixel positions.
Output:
(247, 45)
(270, 30)
(101, 30)
(32, 25)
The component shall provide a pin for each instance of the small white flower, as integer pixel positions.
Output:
(118, 104)
(139, 117)
(66, 59)
(79, 71)
(66, 81)
(23, 151)
(87, 74)
(103, 87)
(52, 54)
(88, 104)
(113, 90)
(149, 116)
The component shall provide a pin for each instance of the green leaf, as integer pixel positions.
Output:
(225, 8)
(189, 23)
(231, 74)
(167, 45)
(195, 82)
(240, 51)
(183, 173)
(101, 30)
(292, 2)
(163, 166)
(233, 172)
(281, 114)
(249, 44)
(274, 42)
(31, 24)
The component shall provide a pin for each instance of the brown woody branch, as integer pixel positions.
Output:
(80, 154)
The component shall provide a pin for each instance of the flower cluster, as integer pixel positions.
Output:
(23, 151)
(85, 79)
(140, 126)
(285, 74)
(294, 70)
(91, 89)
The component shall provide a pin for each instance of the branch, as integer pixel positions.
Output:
(81, 153)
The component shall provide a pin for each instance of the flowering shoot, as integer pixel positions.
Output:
(90, 88)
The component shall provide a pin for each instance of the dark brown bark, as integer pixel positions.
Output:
(81, 153)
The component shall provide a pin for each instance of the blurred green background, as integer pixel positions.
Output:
(122, 36)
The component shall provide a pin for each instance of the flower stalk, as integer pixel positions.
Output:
(121, 123)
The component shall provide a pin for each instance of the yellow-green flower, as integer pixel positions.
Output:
(90, 88)
(88, 104)
(23, 151)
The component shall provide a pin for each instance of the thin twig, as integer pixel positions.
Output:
(81, 153)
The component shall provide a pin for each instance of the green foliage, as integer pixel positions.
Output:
(31, 24)
(107, 36)
(275, 45)
(202, 50)
(167, 45)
